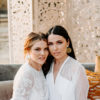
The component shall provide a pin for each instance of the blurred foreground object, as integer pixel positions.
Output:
(97, 64)
(94, 85)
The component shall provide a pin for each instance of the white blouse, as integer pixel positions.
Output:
(29, 84)
(71, 82)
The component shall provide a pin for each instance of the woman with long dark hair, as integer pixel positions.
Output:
(66, 77)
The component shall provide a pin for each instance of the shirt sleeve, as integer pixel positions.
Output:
(81, 84)
(22, 86)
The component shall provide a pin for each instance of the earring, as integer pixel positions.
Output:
(69, 49)
(28, 57)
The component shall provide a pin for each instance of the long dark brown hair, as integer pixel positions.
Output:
(59, 30)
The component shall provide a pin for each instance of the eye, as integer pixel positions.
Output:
(37, 49)
(50, 43)
(59, 42)
(46, 49)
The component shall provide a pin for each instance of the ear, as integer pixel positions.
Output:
(28, 49)
(68, 42)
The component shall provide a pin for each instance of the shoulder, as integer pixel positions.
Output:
(24, 76)
(76, 67)
(24, 72)
(75, 63)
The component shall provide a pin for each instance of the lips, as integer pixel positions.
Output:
(42, 58)
(56, 53)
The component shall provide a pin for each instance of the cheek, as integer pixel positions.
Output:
(34, 54)
(50, 48)
(46, 53)
(63, 48)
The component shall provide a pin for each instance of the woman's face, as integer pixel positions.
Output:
(39, 52)
(57, 46)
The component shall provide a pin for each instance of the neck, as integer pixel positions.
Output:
(35, 65)
(60, 60)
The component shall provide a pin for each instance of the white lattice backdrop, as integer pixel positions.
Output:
(80, 17)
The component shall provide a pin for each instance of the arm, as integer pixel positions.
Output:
(81, 84)
(22, 86)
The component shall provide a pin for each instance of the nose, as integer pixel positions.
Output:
(55, 47)
(42, 52)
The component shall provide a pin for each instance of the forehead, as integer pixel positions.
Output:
(39, 43)
(54, 38)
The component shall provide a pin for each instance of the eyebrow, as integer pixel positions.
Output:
(55, 41)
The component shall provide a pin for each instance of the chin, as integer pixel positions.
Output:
(41, 63)
(58, 57)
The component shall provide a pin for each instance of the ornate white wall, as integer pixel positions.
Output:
(80, 17)
(20, 24)
(50, 13)
(83, 22)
